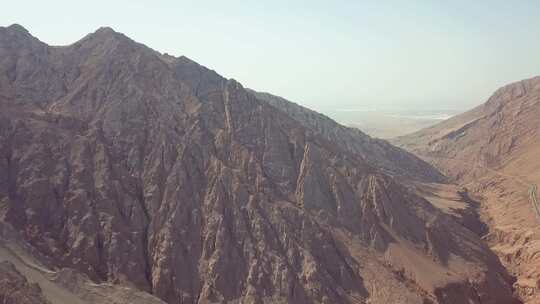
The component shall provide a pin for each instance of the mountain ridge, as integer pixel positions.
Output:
(493, 149)
(374, 150)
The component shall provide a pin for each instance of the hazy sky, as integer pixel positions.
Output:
(322, 53)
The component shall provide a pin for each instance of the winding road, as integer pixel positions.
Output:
(534, 199)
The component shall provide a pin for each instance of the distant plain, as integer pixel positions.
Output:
(389, 122)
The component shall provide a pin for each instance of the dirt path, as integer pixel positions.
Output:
(534, 199)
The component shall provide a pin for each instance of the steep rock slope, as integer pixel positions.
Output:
(134, 168)
(26, 274)
(495, 133)
(376, 152)
(379, 152)
(494, 149)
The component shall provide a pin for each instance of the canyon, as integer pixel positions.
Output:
(493, 151)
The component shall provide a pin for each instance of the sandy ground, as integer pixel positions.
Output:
(384, 126)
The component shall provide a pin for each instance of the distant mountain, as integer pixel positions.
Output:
(141, 169)
(493, 150)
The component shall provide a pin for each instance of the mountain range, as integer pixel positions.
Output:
(131, 176)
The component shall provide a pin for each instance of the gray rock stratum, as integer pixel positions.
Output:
(136, 168)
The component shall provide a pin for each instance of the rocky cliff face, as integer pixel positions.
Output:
(378, 152)
(136, 168)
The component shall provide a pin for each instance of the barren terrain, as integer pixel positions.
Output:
(493, 150)
(124, 169)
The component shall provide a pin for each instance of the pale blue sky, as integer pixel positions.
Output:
(322, 53)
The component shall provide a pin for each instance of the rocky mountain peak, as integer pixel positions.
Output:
(17, 28)
(107, 39)
(106, 32)
(16, 33)
(513, 92)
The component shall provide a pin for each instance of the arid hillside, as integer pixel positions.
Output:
(133, 168)
(494, 150)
